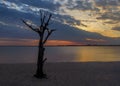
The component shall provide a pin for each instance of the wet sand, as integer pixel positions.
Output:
(62, 74)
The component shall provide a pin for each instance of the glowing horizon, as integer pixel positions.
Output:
(34, 42)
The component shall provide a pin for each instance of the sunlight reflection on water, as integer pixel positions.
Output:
(61, 54)
(86, 54)
(104, 54)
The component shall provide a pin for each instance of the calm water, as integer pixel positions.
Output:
(61, 54)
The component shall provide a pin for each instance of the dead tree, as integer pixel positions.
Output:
(44, 32)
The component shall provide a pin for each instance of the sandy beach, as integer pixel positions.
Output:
(62, 74)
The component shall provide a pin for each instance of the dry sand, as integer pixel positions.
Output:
(62, 74)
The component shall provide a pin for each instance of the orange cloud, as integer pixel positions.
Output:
(62, 42)
(34, 42)
(17, 42)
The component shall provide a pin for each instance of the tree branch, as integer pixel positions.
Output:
(47, 23)
(49, 33)
(43, 16)
(36, 30)
(44, 60)
(43, 19)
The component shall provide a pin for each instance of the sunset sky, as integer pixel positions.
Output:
(77, 22)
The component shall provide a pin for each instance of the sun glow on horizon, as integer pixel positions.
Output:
(34, 42)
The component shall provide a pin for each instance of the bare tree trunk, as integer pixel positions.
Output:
(40, 61)
(41, 30)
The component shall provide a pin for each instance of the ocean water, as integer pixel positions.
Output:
(61, 54)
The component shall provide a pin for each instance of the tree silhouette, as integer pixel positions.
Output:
(44, 32)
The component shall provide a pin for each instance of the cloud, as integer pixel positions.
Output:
(109, 10)
(83, 5)
(11, 25)
(34, 42)
(25, 8)
(62, 42)
(106, 3)
(17, 42)
(110, 15)
(116, 28)
(3, 23)
(65, 19)
(111, 22)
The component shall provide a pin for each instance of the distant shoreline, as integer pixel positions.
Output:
(61, 46)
